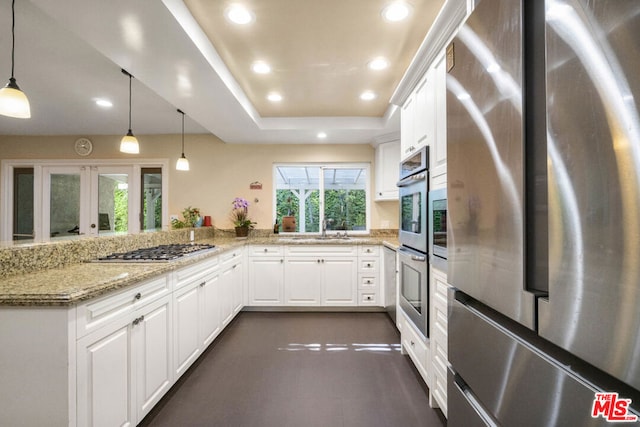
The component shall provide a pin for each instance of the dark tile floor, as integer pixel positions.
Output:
(300, 369)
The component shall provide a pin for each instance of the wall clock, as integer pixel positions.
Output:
(83, 146)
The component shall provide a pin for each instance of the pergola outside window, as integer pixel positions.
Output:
(336, 194)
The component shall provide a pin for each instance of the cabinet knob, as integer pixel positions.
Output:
(138, 296)
(368, 298)
(281, 260)
(412, 343)
(368, 265)
(318, 261)
(368, 282)
(265, 249)
(203, 283)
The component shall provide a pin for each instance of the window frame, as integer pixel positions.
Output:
(322, 166)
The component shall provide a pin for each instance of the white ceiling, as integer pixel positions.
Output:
(69, 52)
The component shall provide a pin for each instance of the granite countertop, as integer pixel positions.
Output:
(75, 283)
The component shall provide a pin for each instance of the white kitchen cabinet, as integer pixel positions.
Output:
(416, 120)
(322, 274)
(407, 144)
(303, 281)
(438, 148)
(339, 278)
(369, 276)
(196, 312)
(125, 367)
(417, 347)
(231, 285)
(439, 337)
(387, 170)
(266, 275)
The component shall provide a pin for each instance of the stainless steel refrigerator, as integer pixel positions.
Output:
(543, 140)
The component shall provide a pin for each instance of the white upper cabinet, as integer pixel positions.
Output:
(416, 121)
(438, 149)
(387, 170)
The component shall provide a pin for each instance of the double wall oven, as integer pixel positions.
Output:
(413, 252)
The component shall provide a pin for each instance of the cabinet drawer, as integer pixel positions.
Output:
(265, 250)
(321, 250)
(231, 256)
(194, 272)
(415, 346)
(367, 298)
(96, 313)
(369, 250)
(368, 265)
(368, 282)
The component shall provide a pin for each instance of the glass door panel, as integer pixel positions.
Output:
(23, 209)
(151, 203)
(64, 210)
(113, 203)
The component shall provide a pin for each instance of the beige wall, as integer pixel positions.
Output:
(219, 172)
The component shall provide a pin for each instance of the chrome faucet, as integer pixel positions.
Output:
(324, 228)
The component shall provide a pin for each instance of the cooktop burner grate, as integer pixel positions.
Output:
(162, 253)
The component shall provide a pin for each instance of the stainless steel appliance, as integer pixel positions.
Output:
(390, 288)
(413, 187)
(438, 228)
(412, 254)
(543, 228)
(414, 287)
(161, 253)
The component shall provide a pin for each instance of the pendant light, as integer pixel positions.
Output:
(13, 102)
(182, 164)
(129, 143)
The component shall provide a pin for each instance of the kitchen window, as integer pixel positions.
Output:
(50, 200)
(333, 195)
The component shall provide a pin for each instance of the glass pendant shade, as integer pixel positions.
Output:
(13, 102)
(129, 144)
(182, 164)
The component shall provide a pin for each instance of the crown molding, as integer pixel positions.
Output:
(445, 25)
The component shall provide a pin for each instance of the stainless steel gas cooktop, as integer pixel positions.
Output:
(162, 253)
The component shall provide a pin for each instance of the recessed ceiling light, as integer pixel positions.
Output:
(378, 63)
(322, 135)
(274, 97)
(396, 11)
(238, 14)
(104, 103)
(261, 67)
(367, 95)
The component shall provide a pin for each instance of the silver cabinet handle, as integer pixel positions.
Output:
(138, 320)
(265, 249)
(138, 296)
(203, 283)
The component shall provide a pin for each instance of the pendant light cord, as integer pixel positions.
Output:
(182, 112)
(13, 34)
(129, 101)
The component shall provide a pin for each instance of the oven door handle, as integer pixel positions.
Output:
(412, 179)
(419, 258)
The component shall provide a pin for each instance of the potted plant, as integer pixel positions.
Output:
(289, 220)
(191, 216)
(240, 217)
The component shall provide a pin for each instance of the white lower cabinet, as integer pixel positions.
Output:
(416, 346)
(125, 367)
(303, 281)
(266, 275)
(439, 337)
(339, 281)
(231, 285)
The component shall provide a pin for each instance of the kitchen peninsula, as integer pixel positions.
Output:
(122, 334)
